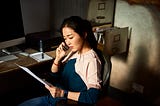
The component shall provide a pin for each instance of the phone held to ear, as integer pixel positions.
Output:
(65, 47)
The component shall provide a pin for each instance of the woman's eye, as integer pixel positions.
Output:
(70, 37)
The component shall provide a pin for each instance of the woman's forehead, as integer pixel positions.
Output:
(67, 31)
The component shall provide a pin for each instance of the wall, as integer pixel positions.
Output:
(61, 9)
(141, 66)
(43, 15)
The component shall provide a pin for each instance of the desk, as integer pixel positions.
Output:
(22, 60)
(16, 85)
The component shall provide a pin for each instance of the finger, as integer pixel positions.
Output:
(53, 94)
(50, 87)
(64, 46)
(58, 48)
(61, 47)
(46, 86)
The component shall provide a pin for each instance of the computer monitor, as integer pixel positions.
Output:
(12, 31)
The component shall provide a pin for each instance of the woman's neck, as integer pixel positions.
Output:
(85, 48)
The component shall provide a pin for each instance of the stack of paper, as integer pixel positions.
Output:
(40, 56)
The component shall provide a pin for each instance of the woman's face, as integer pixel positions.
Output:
(72, 39)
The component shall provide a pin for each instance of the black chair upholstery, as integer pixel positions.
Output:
(107, 66)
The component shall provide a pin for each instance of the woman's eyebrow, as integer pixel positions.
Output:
(69, 34)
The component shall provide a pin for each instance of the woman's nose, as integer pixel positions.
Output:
(67, 42)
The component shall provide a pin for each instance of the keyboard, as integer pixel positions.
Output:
(8, 57)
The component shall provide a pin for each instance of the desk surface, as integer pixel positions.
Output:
(22, 60)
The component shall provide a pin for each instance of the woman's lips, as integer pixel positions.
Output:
(71, 47)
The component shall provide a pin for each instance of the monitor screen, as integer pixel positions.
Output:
(12, 31)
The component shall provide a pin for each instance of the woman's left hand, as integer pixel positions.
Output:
(55, 91)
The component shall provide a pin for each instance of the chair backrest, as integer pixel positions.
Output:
(107, 66)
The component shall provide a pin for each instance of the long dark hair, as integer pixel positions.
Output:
(81, 26)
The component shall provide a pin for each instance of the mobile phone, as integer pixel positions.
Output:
(65, 47)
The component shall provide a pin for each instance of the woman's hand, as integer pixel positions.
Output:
(55, 91)
(60, 52)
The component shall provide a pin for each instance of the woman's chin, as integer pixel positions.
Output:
(73, 50)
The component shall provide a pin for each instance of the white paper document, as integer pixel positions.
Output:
(35, 76)
(40, 56)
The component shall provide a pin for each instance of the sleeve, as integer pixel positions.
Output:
(89, 97)
(93, 74)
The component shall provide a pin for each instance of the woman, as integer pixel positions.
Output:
(80, 78)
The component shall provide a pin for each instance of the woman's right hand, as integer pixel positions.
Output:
(60, 52)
